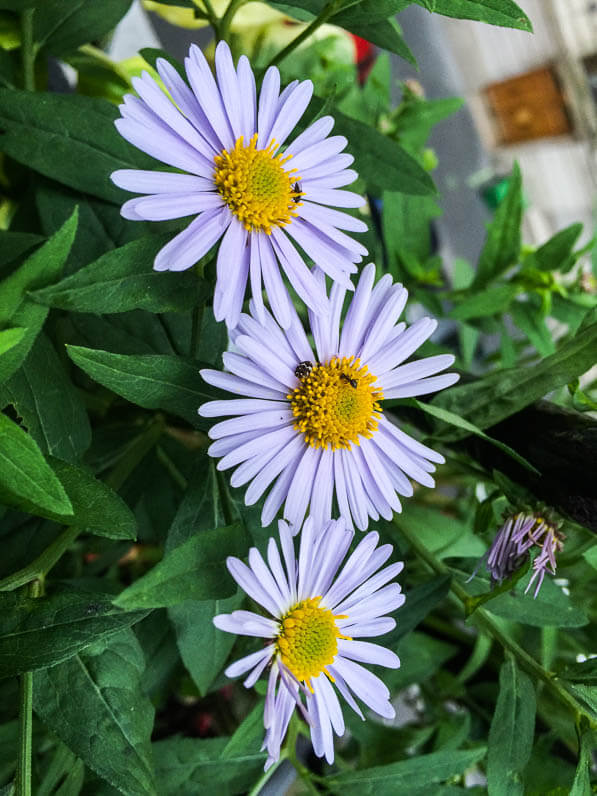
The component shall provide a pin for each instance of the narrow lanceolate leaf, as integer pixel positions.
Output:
(511, 733)
(505, 13)
(502, 247)
(407, 776)
(151, 381)
(69, 138)
(94, 702)
(556, 254)
(502, 393)
(41, 632)
(25, 476)
(42, 267)
(582, 778)
(195, 570)
(48, 404)
(530, 321)
(95, 506)
(123, 279)
(369, 19)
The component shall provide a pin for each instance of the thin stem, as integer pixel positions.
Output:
(226, 21)
(38, 568)
(485, 622)
(28, 49)
(330, 8)
(267, 775)
(23, 773)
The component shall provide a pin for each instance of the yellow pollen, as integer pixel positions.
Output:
(256, 187)
(336, 404)
(308, 639)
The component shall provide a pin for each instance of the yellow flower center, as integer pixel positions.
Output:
(337, 403)
(308, 639)
(256, 187)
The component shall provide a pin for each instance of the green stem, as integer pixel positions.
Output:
(28, 49)
(226, 21)
(23, 773)
(211, 15)
(330, 8)
(38, 568)
(485, 622)
(290, 748)
(255, 790)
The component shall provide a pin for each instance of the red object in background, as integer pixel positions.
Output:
(365, 55)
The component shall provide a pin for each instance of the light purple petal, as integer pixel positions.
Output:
(365, 652)
(268, 99)
(317, 153)
(291, 111)
(422, 386)
(229, 88)
(312, 135)
(205, 89)
(192, 243)
(232, 383)
(139, 181)
(246, 84)
(249, 661)
(170, 205)
(301, 487)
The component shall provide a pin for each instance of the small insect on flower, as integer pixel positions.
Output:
(353, 382)
(320, 607)
(297, 190)
(303, 369)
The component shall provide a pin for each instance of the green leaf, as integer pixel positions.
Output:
(70, 138)
(94, 702)
(188, 766)
(585, 672)
(124, 279)
(406, 776)
(458, 422)
(30, 317)
(421, 601)
(13, 244)
(555, 255)
(42, 267)
(493, 301)
(505, 13)
(383, 164)
(407, 222)
(50, 407)
(445, 535)
(504, 392)
(203, 648)
(502, 247)
(193, 571)
(151, 381)
(511, 733)
(420, 658)
(60, 29)
(551, 607)
(41, 632)
(582, 778)
(530, 321)
(25, 474)
(96, 507)
(10, 338)
(366, 19)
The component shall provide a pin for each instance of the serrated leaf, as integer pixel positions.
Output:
(502, 246)
(94, 703)
(123, 279)
(24, 473)
(193, 571)
(41, 632)
(505, 13)
(504, 392)
(48, 404)
(151, 381)
(511, 733)
(70, 138)
(406, 776)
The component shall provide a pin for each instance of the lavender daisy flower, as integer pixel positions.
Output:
(518, 534)
(261, 197)
(316, 613)
(312, 423)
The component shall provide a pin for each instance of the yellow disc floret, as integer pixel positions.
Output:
(256, 187)
(308, 639)
(337, 403)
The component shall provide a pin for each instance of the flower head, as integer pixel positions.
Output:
(312, 422)
(518, 534)
(264, 199)
(318, 608)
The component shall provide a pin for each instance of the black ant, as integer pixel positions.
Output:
(348, 380)
(297, 189)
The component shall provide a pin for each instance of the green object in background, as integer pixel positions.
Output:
(494, 191)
